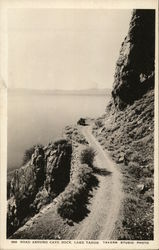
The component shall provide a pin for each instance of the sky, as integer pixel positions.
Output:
(64, 48)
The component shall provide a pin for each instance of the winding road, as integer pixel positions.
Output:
(105, 204)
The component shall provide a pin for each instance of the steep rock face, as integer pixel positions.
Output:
(126, 130)
(38, 182)
(58, 161)
(23, 188)
(134, 73)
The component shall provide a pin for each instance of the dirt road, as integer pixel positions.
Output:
(106, 202)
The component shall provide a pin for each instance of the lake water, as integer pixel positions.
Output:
(37, 118)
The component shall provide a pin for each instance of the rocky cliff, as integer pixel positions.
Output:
(60, 218)
(126, 130)
(134, 74)
(38, 182)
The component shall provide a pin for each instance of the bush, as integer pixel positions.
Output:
(60, 142)
(87, 156)
(28, 153)
(73, 201)
(134, 169)
(81, 121)
(98, 123)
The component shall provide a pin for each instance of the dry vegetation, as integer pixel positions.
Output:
(73, 201)
(73, 134)
(129, 137)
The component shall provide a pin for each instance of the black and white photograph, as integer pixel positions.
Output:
(80, 125)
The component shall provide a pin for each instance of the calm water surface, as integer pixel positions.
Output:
(37, 118)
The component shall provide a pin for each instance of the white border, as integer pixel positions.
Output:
(64, 4)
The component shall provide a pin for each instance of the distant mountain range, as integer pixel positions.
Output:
(92, 91)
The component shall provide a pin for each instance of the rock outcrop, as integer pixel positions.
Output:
(58, 161)
(39, 181)
(126, 130)
(134, 73)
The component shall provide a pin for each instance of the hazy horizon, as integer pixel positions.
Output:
(64, 49)
(24, 88)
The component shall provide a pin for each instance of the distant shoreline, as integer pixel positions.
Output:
(87, 92)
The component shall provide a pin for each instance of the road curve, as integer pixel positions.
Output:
(105, 204)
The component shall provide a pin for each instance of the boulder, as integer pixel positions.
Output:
(121, 159)
(141, 188)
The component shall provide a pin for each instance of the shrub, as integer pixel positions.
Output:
(98, 123)
(72, 204)
(81, 121)
(60, 142)
(28, 153)
(134, 169)
(87, 156)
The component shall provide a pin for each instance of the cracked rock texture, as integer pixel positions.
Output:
(134, 74)
(38, 182)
